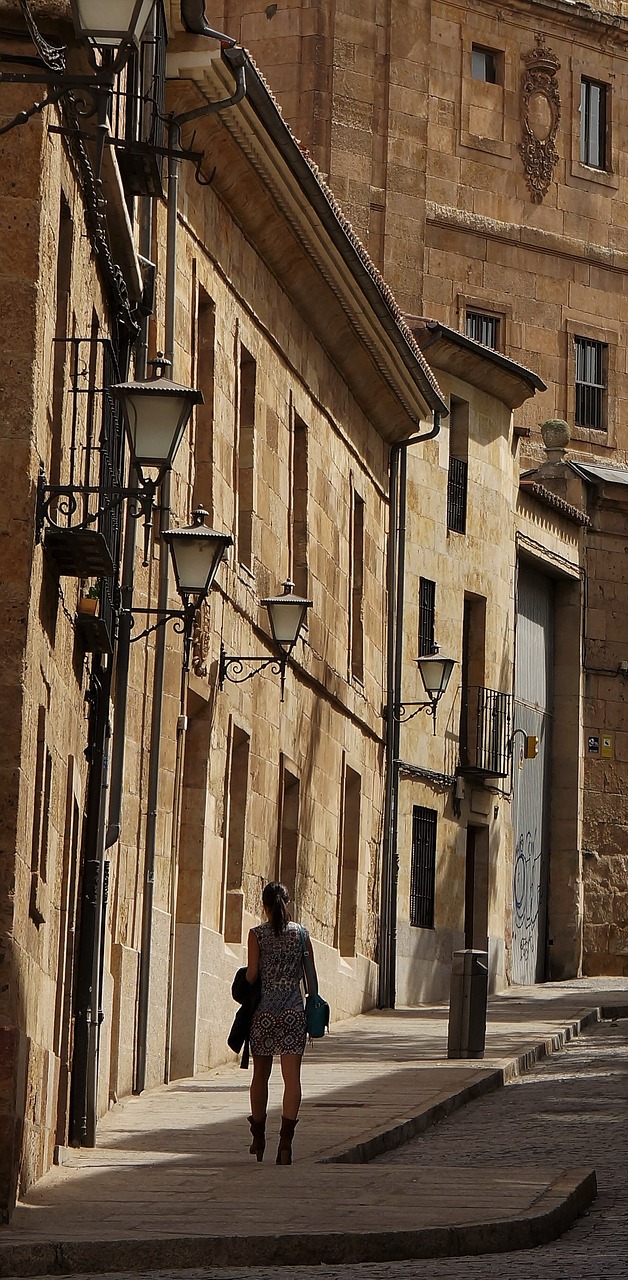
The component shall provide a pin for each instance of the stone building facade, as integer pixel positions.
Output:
(474, 870)
(141, 814)
(480, 152)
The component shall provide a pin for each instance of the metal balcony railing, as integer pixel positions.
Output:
(485, 732)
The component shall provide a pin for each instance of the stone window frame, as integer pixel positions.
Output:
(601, 437)
(503, 313)
(497, 45)
(609, 176)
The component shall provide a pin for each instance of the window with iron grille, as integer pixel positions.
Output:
(483, 328)
(138, 111)
(457, 495)
(590, 383)
(593, 105)
(458, 465)
(427, 598)
(423, 869)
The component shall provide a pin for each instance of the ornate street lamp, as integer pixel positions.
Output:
(435, 672)
(156, 413)
(111, 23)
(196, 554)
(286, 614)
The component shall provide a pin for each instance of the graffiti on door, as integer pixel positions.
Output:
(526, 893)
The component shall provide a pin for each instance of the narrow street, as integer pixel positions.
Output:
(569, 1110)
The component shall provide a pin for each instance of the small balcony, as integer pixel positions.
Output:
(485, 733)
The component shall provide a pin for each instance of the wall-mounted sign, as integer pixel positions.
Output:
(601, 744)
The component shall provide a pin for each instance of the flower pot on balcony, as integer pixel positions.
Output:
(88, 606)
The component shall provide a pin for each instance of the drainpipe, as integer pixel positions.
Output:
(163, 593)
(182, 724)
(398, 495)
(121, 679)
(237, 62)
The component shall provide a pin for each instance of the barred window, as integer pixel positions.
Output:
(423, 869)
(427, 598)
(590, 383)
(457, 476)
(593, 124)
(483, 328)
(138, 111)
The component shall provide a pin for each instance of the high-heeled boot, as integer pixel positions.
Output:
(286, 1134)
(258, 1132)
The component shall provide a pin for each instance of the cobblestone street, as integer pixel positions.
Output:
(571, 1110)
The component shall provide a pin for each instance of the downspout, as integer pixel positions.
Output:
(121, 678)
(174, 164)
(175, 835)
(398, 491)
(159, 670)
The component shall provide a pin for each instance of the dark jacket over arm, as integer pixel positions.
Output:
(247, 995)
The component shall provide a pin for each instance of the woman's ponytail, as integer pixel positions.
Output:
(275, 900)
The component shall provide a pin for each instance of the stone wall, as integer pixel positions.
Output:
(605, 829)
(428, 162)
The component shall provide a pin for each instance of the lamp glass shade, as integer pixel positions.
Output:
(156, 412)
(155, 427)
(196, 554)
(287, 614)
(435, 673)
(111, 23)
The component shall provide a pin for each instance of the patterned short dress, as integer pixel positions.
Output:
(278, 1024)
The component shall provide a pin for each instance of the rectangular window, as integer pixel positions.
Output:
(299, 498)
(590, 383)
(348, 865)
(484, 64)
(427, 597)
(246, 458)
(483, 328)
(423, 869)
(235, 835)
(289, 832)
(138, 110)
(457, 476)
(204, 343)
(593, 124)
(357, 589)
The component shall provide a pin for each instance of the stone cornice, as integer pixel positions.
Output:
(532, 238)
(539, 491)
(576, 13)
(298, 191)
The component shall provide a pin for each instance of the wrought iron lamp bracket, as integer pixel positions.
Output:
(402, 714)
(58, 502)
(237, 667)
(182, 620)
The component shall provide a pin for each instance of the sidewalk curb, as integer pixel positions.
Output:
(554, 1212)
(390, 1139)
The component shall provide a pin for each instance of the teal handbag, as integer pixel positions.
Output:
(316, 1009)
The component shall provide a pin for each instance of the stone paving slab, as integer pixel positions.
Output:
(172, 1165)
(437, 1212)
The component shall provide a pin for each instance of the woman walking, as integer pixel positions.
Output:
(278, 1027)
